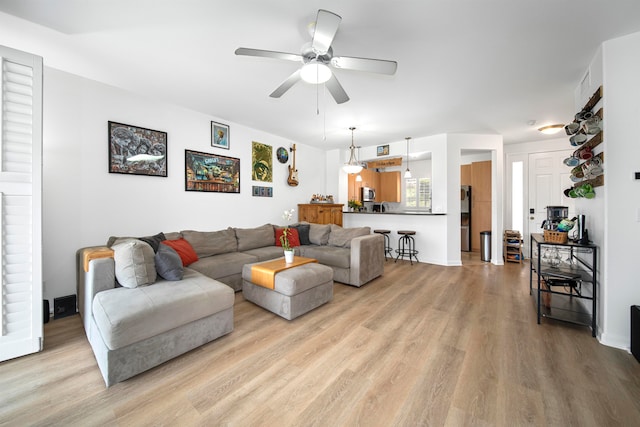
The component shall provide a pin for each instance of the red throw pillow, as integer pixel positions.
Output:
(294, 237)
(184, 249)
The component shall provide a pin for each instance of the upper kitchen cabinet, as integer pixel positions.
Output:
(389, 188)
(370, 178)
(465, 175)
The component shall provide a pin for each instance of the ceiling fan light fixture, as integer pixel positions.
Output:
(551, 129)
(352, 166)
(315, 72)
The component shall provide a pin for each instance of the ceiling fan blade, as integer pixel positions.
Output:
(286, 85)
(326, 27)
(380, 66)
(268, 54)
(336, 90)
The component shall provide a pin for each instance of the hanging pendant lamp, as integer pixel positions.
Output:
(407, 173)
(352, 166)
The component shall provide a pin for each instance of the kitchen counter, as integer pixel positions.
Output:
(431, 237)
(395, 213)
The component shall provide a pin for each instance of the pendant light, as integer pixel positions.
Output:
(352, 166)
(407, 173)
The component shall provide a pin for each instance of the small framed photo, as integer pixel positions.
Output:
(220, 135)
(383, 150)
(135, 150)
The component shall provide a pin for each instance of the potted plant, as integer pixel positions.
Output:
(284, 239)
(354, 205)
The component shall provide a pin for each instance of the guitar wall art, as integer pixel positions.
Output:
(292, 179)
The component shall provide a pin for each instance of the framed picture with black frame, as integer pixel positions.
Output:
(208, 172)
(134, 150)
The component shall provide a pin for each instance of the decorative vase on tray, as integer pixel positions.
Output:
(288, 256)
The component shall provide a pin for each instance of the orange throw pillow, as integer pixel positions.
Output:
(184, 249)
(294, 237)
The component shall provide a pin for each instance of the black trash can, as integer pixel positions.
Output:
(485, 246)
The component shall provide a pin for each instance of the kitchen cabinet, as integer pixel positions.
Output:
(320, 213)
(370, 178)
(478, 176)
(354, 187)
(562, 281)
(389, 188)
(465, 175)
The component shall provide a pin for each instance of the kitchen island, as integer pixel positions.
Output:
(431, 232)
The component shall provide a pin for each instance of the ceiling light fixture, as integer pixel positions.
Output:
(315, 72)
(551, 129)
(407, 173)
(352, 166)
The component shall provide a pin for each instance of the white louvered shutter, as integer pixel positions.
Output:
(21, 311)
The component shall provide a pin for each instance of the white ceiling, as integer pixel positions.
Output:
(463, 65)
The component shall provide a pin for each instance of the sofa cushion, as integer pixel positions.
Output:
(222, 265)
(251, 238)
(126, 316)
(266, 253)
(184, 249)
(294, 240)
(303, 233)
(207, 243)
(328, 255)
(319, 234)
(134, 263)
(168, 263)
(341, 237)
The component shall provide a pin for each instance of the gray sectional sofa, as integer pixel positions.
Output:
(141, 307)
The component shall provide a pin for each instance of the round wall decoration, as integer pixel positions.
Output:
(282, 154)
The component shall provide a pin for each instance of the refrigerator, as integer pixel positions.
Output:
(465, 218)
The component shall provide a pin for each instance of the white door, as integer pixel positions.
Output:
(21, 330)
(548, 178)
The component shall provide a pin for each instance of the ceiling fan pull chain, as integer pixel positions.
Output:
(324, 112)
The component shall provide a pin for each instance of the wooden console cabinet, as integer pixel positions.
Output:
(321, 213)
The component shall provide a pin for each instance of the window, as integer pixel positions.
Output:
(418, 193)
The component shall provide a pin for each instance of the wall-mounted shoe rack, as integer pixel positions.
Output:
(594, 141)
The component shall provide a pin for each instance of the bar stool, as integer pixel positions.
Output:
(387, 242)
(407, 245)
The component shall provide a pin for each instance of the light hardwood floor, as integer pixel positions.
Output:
(422, 345)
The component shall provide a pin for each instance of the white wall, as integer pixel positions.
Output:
(84, 204)
(621, 276)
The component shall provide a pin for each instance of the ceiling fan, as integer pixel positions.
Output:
(317, 59)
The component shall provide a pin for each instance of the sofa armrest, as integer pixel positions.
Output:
(99, 276)
(367, 258)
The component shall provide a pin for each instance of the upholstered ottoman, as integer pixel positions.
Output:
(296, 290)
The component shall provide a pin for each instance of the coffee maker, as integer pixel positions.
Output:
(555, 214)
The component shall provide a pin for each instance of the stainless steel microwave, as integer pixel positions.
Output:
(368, 194)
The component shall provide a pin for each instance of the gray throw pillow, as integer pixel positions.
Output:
(134, 263)
(319, 233)
(168, 263)
(303, 233)
(341, 237)
(208, 243)
(252, 238)
(154, 241)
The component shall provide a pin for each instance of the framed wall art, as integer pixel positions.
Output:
(220, 135)
(137, 151)
(382, 150)
(260, 191)
(261, 162)
(211, 172)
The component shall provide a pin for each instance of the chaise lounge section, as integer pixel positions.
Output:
(146, 300)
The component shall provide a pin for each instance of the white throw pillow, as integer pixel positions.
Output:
(135, 264)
